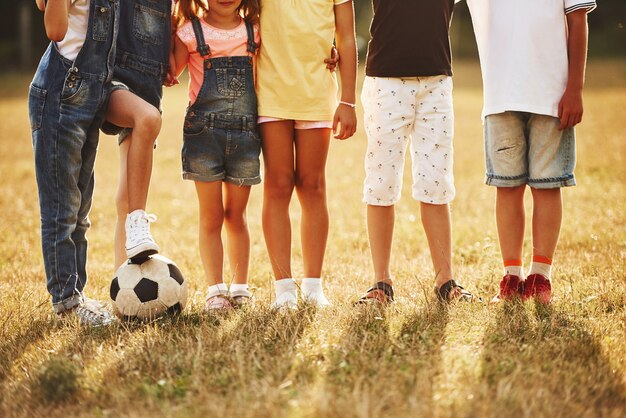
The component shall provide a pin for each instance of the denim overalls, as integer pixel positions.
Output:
(143, 52)
(66, 106)
(221, 141)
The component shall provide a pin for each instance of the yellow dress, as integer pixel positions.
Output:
(292, 79)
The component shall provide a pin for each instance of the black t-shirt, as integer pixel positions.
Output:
(410, 38)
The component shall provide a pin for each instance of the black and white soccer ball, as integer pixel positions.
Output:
(148, 288)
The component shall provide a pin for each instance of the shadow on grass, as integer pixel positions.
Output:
(208, 364)
(543, 362)
(372, 374)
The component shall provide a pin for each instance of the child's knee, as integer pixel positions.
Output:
(235, 218)
(150, 120)
(311, 185)
(211, 222)
(279, 185)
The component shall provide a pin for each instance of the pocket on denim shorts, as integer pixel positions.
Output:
(36, 104)
(231, 82)
(194, 125)
(149, 23)
(101, 23)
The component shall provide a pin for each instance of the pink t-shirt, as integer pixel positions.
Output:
(222, 42)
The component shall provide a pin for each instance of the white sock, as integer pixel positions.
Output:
(515, 271)
(541, 268)
(217, 289)
(312, 291)
(286, 293)
(234, 287)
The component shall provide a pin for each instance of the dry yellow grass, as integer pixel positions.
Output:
(414, 359)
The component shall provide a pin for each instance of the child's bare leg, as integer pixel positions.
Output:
(238, 237)
(210, 233)
(380, 223)
(121, 201)
(278, 188)
(436, 222)
(311, 154)
(130, 111)
(546, 223)
(510, 219)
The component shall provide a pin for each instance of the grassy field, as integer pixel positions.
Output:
(413, 359)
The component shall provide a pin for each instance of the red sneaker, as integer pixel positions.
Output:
(539, 287)
(511, 288)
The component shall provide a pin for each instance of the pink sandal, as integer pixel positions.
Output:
(218, 302)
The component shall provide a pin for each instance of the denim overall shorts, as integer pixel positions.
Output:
(221, 139)
(66, 105)
(143, 53)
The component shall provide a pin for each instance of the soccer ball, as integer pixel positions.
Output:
(148, 288)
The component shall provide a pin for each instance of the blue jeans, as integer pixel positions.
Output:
(66, 106)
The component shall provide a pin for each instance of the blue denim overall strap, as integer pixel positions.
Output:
(228, 84)
(252, 45)
(102, 29)
(205, 50)
(66, 107)
(201, 46)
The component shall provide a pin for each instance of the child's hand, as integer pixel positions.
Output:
(345, 119)
(331, 63)
(571, 108)
(171, 79)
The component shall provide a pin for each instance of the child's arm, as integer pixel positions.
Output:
(172, 79)
(345, 116)
(181, 56)
(571, 104)
(55, 18)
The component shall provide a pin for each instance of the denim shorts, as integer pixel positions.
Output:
(527, 148)
(146, 87)
(220, 147)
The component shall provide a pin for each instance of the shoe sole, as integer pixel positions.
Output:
(142, 251)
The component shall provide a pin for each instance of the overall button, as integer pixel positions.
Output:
(103, 9)
(192, 113)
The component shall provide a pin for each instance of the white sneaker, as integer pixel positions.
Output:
(90, 313)
(139, 242)
(286, 300)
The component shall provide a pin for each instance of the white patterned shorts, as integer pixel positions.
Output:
(415, 110)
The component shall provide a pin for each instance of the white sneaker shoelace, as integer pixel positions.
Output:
(138, 229)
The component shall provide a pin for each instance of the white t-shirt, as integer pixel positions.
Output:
(78, 22)
(523, 52)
